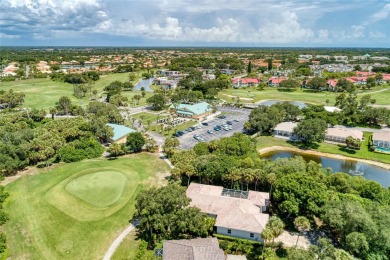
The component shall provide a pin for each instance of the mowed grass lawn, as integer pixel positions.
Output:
(75, 211)
(250, 95)
(44, 93)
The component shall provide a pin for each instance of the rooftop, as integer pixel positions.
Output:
(232, 212)
(344, 132)
(381, 136)
(193, 249)
(120, 131)
(197, 109)
(286, 126)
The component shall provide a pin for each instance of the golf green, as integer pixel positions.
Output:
(99, 189)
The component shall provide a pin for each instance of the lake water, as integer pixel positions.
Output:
(272, 102)
(371, 172)
(144, 83)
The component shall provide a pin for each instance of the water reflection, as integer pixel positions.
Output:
(371, 172)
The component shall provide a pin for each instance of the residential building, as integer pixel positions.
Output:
(285, 129)
(120, 133)
(275, 81)
(339, 135)
(198, 111)
(245, 82)
(381, 140)
(332, 84)
(193, 249)
(237, 213)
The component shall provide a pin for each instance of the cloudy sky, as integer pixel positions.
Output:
(254, 23)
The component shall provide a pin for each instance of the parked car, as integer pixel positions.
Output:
(229, 122)
(230, 127)
(210, 132)
(222, 117)
(236, 120)
(205, 123)
(217, 128)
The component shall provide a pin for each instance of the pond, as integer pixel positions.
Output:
(371, 172)
(144, 83)
(272, 102)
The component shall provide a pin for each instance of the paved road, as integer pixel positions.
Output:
(364, 129)
(111, 250)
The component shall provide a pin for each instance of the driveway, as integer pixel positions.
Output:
(187, 141)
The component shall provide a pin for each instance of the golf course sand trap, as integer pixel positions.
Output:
(100, 189)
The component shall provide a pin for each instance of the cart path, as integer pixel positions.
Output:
(110, 252)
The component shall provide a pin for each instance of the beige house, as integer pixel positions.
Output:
(381, 140)
(285, 129)
(237, 213)
(193, 249)
(339, 135)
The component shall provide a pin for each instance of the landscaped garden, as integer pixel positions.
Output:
(75, 211)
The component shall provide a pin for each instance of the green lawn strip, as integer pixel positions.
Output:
(40, 228)
(128, 248)
(150, 116)
(363, 153)
(142, 101)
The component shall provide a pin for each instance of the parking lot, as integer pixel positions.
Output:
(187, 141)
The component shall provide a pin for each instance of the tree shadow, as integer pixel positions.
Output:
(304, 146)
(347, 150)
(286, 90)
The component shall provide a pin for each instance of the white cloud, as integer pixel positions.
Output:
(379, 16)
(8, 36)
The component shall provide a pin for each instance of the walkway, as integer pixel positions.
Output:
(110, 252)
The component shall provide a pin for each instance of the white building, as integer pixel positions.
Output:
(237, 213)
(285, 129)
(339, 135)
(381, 140)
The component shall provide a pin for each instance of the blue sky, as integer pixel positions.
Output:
(254, 23)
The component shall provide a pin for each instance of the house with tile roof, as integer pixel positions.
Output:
(120, 133)
(340, 135)
(285, 129)
(275, 81)
(237, 213)
(244, 82)
(193, 249)
(198, 111)
(381, 140)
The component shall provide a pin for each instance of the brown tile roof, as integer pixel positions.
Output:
(193, 249)
(234, 213)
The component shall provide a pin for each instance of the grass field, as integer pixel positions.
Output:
(363, 153)
(75, 211)
(44, 93)
(250, 95)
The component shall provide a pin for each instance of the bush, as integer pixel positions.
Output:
(80, 150)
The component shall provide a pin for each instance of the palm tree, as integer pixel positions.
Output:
(266, 235)
(277, 227)
(234, 175)
(302, 224)
(271, 180)
(115, 150)
(53, 111)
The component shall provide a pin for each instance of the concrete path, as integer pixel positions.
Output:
(163, 157)
(110, 252)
